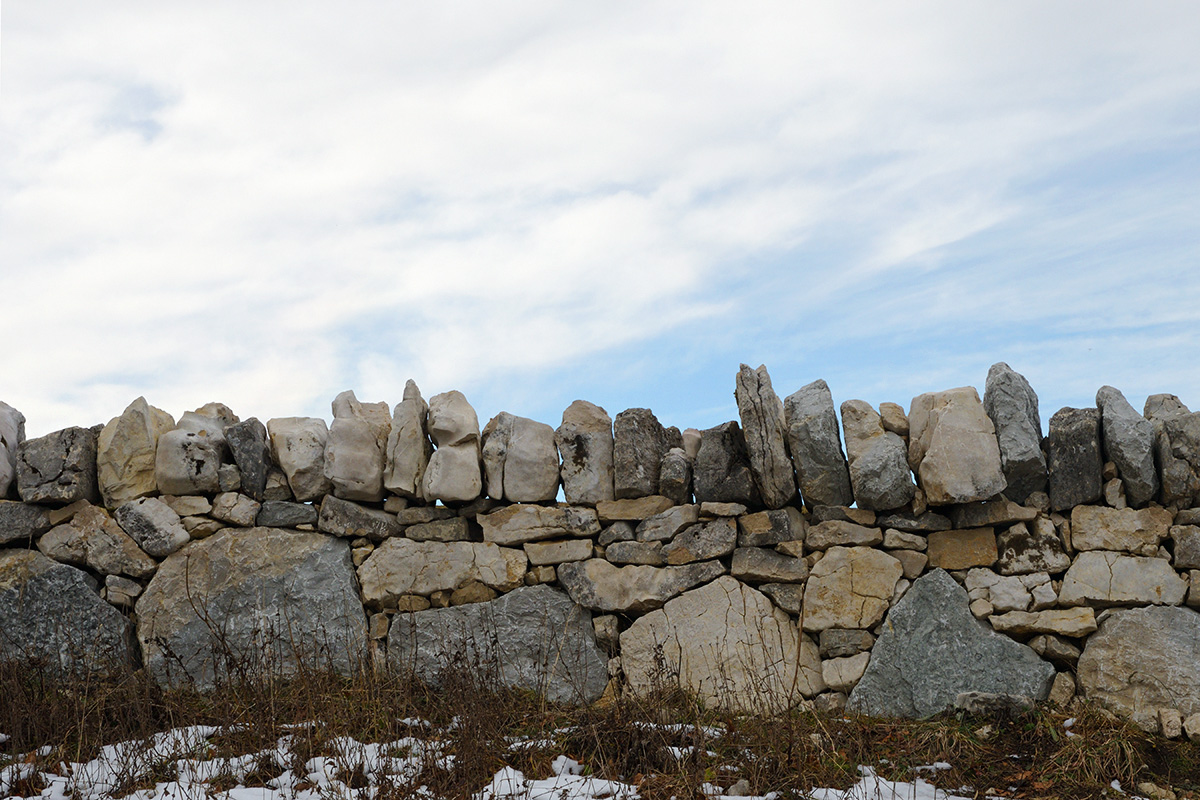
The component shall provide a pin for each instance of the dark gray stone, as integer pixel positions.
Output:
(617, 532)
(153, 525)
(52, 613)
(675, 477)
(1128, 443)
(532, 638)
(251, 451)
(456, 529)
(22, 521)
(928, 522)
(58, 468)
(786, 596)
(283, 514)
(344, 518)
(879, 472)
(761, 412)
(815, 441)
(722, 470)
(1028, 548)
(932, 649)
(1176, 449)
(599, 585)
(639, 444)
(1013, 407)
(1075, 463)
(702, 542)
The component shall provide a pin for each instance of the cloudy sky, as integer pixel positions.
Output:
(264, 204)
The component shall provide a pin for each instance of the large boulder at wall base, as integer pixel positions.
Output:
(248, 601)
(52, 614)
(1012, 405)
(815, 442)
(532, 638)
(932, 649)
(763, 423)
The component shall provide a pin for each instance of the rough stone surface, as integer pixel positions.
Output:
(850, 587)
(1000, 511)
(639, 444)
(894, 419)
(601, 586)
(266, 598)
(759, 565)
(1011, 404)
(702, 542)
(298, 444)
(787, 596)
(1100, 578)
(251, 450)
(878, 459)
(12, 434)
(585, 441)
(543, 553)
(647, 553)
(532, 638)
(843, 643)
(663, 526)
(728, 645)
(925, 522)
(1075, 463)
(125, 452)
(1177, 451)
(842, 674)
(722, 470)
(236, 509)
(1101, 528)
(408, 447)
(455, 529)
(1128, 443)
(401, 566)
(453, 474)
(282, 514)
(763, 424)
(59, 468)
(952, 447)
(94, 540)
(632, 510)
(515, 525)
(354, 460)
(1023, 551)
(769, 528)
(932, 649)
(349, 520)
(815, 442)
(962, 549)
(153, 525)
(1072, 622)
(1144, 659)
(837, 533)
(1186, 539)
(22, 521)
(675, 476)
(520, 459)
(52, 613)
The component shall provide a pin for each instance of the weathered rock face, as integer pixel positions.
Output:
(53, 613)
(1102, 528)
(1011, 404)
(1128, 443)
(952, 447)
(187, 462)
(728, 645)
(963, 549)
(125, 451)
(1026, 549)
(453, 474)
(585, 440)
(12, 434)
(765, 430)
(354, 460)
(932, 649)
(520, 460)
(515, 525)
(299, 447)
(601, 586)
(408, 445)
(850, 587)
(153, 525)
(1144, 659)
(815, 442)
(262, 598)
(402, 566)
(722, 470)
(59, 468)
(349, 520)
(1075, 461)
(702, 542)
(251, 452)
(675, 476)
(532, 638)
(375, 415)
(94, 540)
(639, 443)
(760, 565)
(1100, 579)
(22, 521)
(878, 459)
(282, 514)
(1176, 449)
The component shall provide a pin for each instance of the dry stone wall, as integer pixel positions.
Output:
(759, 564)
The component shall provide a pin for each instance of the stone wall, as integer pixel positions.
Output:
(948, 550)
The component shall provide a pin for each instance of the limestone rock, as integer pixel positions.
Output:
(1186, 539)
(236, 509)
(789, 597)
(12, 434)
(59, 468)
(759, 565)
(153, 525)
(408, 445)
(22, 521)
(726, 644)
(455, 529)
(585, 440)
(532, 638)
(52, 613)
(702, 542)
(878, 459)
(515, 525)
(401, 566)
(836, 533)
(251, 451)
(349, 520)
(769, 528)
(925, 522)
(639, 444)
(265, 599)
(1075, 463)
(299, 447)
(1144, 659)
(663, 527)
(616, 532)
(952, 447)
(282, 514)
(1128, 443)
(125, 451)
(842, 674)
(354, 460)
(558, 552)
(453, 474)
(722, 470)
(520, 459)
(850, 587)
(1177, 451)
(632, 510)
(375, 415)
(762, 416)
(1011, 404)
(1101, 528)
(94, 540)
(646, 553)
(962, 549)
(1073, 622)
(1022, 551)
(598, 585)
(815, 442)
(898, 540)
(452, 420)
(1000, 511)
(894, 419)
(1099, 578)
(675, 476)
(932, 649)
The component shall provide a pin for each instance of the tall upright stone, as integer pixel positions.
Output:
(520, 459)
(722, 470)
(952, 447)
(585, 441)
(58, 468)
(299, 447)
(375, 415)
(1176, 449)
(763, 424)
(408, 445)
(815, 442)
(251, 451)
(639, 444)
(878, 459)
(454, 474)
(1075, 463)
(355, 450)
(1012, 405)
(12, 433)
(1129, 443)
